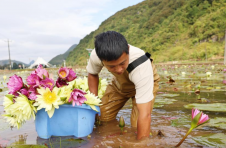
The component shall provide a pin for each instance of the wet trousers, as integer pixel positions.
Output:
(114, 99)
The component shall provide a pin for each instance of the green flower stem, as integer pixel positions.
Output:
(184, 137)
(121, 131)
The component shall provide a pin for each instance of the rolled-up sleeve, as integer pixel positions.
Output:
(94, 65)
(142, 77)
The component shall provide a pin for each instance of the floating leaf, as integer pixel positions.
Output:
(158, 105)
(160, 102)
(218, 122)
(209, 88)
(28, 146)
(215, 140)
(169, 95)
(217, 107)
(164, 101)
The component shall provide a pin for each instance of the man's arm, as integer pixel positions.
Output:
(144, 119)
(93, 82)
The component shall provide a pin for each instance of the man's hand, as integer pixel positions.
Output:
(93, 82)
(144, 119)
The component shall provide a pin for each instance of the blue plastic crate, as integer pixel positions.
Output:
(68, 120)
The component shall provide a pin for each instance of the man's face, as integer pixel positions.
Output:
(117, 66)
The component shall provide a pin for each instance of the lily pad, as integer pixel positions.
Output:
(158, 105)
(215, 140)
(164, 101)
(28, 146)
(67, 141)
(218, 122)
(217, 107)
(160, 102)
(170, 95)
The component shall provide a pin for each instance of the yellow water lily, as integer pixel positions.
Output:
(71, 84)
(13, 121)
(4, 78)
(102, 87)
(65, 93)
(208, 74)
(212, 67)
(8, 101)
(23, 108)
(49, 100)
(92, 101)
(19, 112)
(82, 84)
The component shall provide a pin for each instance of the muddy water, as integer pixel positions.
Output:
(172, 119)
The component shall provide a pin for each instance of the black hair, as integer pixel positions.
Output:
(110, 45)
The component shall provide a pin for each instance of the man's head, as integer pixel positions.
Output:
(113, 50)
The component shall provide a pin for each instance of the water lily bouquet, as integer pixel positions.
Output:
(23, 100)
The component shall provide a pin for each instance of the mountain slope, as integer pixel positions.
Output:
(169, 29)
(59, 58)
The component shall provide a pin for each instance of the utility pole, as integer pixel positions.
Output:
(225, 49)
(9, 56)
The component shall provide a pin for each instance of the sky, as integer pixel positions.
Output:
(46, 28)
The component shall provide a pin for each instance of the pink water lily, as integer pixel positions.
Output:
(194, 113)
(198, 118)
(63, 72)
(47, 83)
(77, 97)
(33, 79)
(41, 72)
(224, 82)
(32, 96)
(71, 76)
(16, 94)
(60, 82)
(32, 92)
(24, 91)
(15, 83)
(203, 119)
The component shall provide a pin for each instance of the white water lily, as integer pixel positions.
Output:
(209, 74)
(183, 73)
(212, 66)
(92, 101)
(49, 100)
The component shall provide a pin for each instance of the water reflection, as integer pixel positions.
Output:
(169, 115)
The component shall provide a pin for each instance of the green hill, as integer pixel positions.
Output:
(57, 60)
(169, 29)
(6, 62)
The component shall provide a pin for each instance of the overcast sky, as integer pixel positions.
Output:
(46, 28)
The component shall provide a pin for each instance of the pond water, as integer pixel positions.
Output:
(181, 88)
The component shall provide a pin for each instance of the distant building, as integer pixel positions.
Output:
(38, 62)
